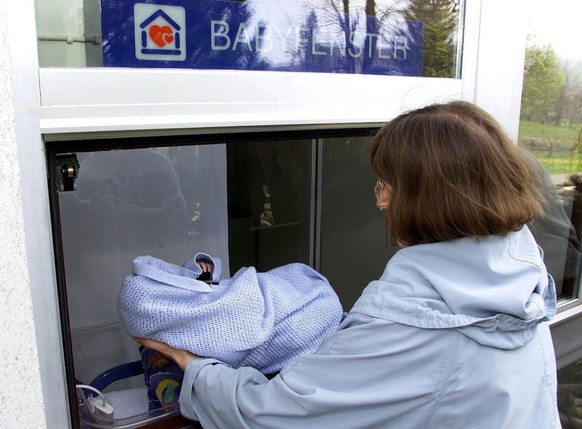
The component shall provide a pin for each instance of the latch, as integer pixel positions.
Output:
(67, 171)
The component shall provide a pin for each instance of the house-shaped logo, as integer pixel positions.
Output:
(160, 32)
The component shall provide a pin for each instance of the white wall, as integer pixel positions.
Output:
(21, 381)
(32, 387)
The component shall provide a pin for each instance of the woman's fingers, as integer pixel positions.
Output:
(181, 357)
(154, 345)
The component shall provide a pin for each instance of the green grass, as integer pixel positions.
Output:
(535, 130)
(560, 165)
(553, 145)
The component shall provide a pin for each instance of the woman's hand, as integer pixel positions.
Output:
(181, 357)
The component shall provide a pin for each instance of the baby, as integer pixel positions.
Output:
(207, 268)
(262, 320)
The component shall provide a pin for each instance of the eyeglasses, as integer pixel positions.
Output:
(382, 193)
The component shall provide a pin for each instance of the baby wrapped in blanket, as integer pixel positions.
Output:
(262, 320)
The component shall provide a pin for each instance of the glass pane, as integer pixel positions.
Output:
(550, 129)
(269, 203)
(248, 204)
(168, 203)
(60, 26)
(388, 37)
(350, 215)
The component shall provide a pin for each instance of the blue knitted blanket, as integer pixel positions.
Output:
(262, 320)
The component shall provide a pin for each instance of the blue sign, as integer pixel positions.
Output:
(256, 35)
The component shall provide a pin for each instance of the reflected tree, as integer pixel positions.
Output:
(360, 22)
(543, 85)
(310, 57)
(440, 18)
(336, 14)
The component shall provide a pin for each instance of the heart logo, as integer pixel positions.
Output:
(161, 35)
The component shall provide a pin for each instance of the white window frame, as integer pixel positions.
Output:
(81, 102)
(116, 100)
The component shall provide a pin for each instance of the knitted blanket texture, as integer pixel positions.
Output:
(262, 320)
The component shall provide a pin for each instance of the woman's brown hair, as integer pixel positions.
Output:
(453, 173)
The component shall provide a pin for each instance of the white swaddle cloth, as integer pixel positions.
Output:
(262, 320)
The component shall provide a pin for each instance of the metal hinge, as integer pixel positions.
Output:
(67, 171)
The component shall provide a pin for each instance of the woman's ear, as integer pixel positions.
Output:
(382, 191)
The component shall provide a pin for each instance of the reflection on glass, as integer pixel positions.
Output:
(570, 395)
(350, 216)
(60, 28)
(388, 37)
(168, 203)
(250, 204)
(550, 129)
(269, 203)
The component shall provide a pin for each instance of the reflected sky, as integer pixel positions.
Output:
(283, 21)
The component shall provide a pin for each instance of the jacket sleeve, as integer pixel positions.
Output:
(359, 377)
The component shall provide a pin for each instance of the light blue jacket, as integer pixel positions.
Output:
(453, 335)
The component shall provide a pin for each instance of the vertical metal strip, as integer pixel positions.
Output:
(460, 40)
(316, 202)
(92, 21)
(62, 291)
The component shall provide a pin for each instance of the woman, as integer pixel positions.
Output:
(454, 334)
